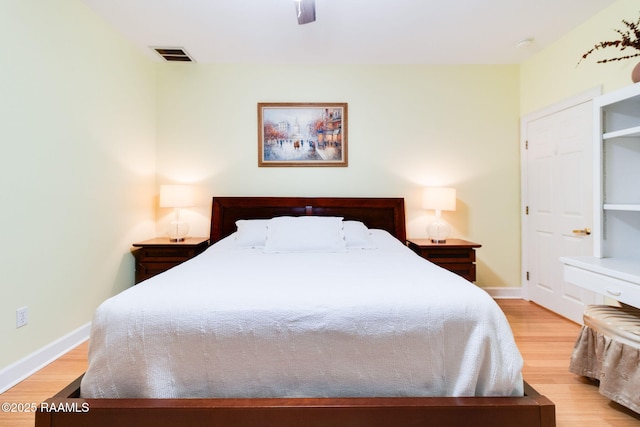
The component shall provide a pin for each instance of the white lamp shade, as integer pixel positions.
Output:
(439, 198)
(176, 196)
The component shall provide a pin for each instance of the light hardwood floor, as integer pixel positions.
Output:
(544, 338)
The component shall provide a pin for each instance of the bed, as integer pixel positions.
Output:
(346, 391)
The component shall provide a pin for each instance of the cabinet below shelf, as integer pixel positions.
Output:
(621, 268)
(616, 278)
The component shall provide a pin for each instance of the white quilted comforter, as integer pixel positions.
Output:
(241, 323)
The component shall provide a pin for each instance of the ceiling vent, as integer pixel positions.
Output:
(173, 54)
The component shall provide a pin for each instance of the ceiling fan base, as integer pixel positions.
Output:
(306, 11)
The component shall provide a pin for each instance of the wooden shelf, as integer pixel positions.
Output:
(621, 207)
(629, 132)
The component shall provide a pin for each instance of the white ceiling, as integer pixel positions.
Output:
(348, 31)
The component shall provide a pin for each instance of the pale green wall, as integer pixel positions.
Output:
(553, 75)
(409, 126)
(77, 129)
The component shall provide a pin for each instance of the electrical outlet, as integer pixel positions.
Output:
(22, 316)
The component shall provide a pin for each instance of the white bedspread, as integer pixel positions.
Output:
(241, 323)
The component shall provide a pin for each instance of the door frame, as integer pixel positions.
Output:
(573, 101)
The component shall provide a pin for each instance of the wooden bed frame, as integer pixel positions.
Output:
(67, 409)
(383, 213)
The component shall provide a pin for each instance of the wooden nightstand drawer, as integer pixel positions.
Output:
(447, 255)
(150, 269)
(468, 271)
(156, 256)
(455, 255)
(173, 254)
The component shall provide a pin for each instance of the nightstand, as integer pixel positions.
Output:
(157, 255)
(456, 255)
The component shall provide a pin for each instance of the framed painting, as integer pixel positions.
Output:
(302, 134)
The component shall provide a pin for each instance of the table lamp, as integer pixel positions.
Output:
(439, 199)
(176, 196)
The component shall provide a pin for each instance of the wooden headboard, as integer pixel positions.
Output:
(383, 213)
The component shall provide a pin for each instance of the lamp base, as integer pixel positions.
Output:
(177, 230)
(438, 231)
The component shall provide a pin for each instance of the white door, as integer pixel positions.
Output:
(559, 184)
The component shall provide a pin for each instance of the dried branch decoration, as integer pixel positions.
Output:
(630, 38)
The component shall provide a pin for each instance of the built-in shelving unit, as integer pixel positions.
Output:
(614, 268)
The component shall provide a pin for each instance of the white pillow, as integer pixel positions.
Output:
(357, 235)
(305, 234)
(252, 233)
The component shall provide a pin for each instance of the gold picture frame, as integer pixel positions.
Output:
(302, 134)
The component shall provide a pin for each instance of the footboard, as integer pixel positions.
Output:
(69, 410)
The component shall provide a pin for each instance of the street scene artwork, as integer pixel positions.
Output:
(302, 134)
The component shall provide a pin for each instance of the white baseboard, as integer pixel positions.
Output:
(23, 368)
(504, 293)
